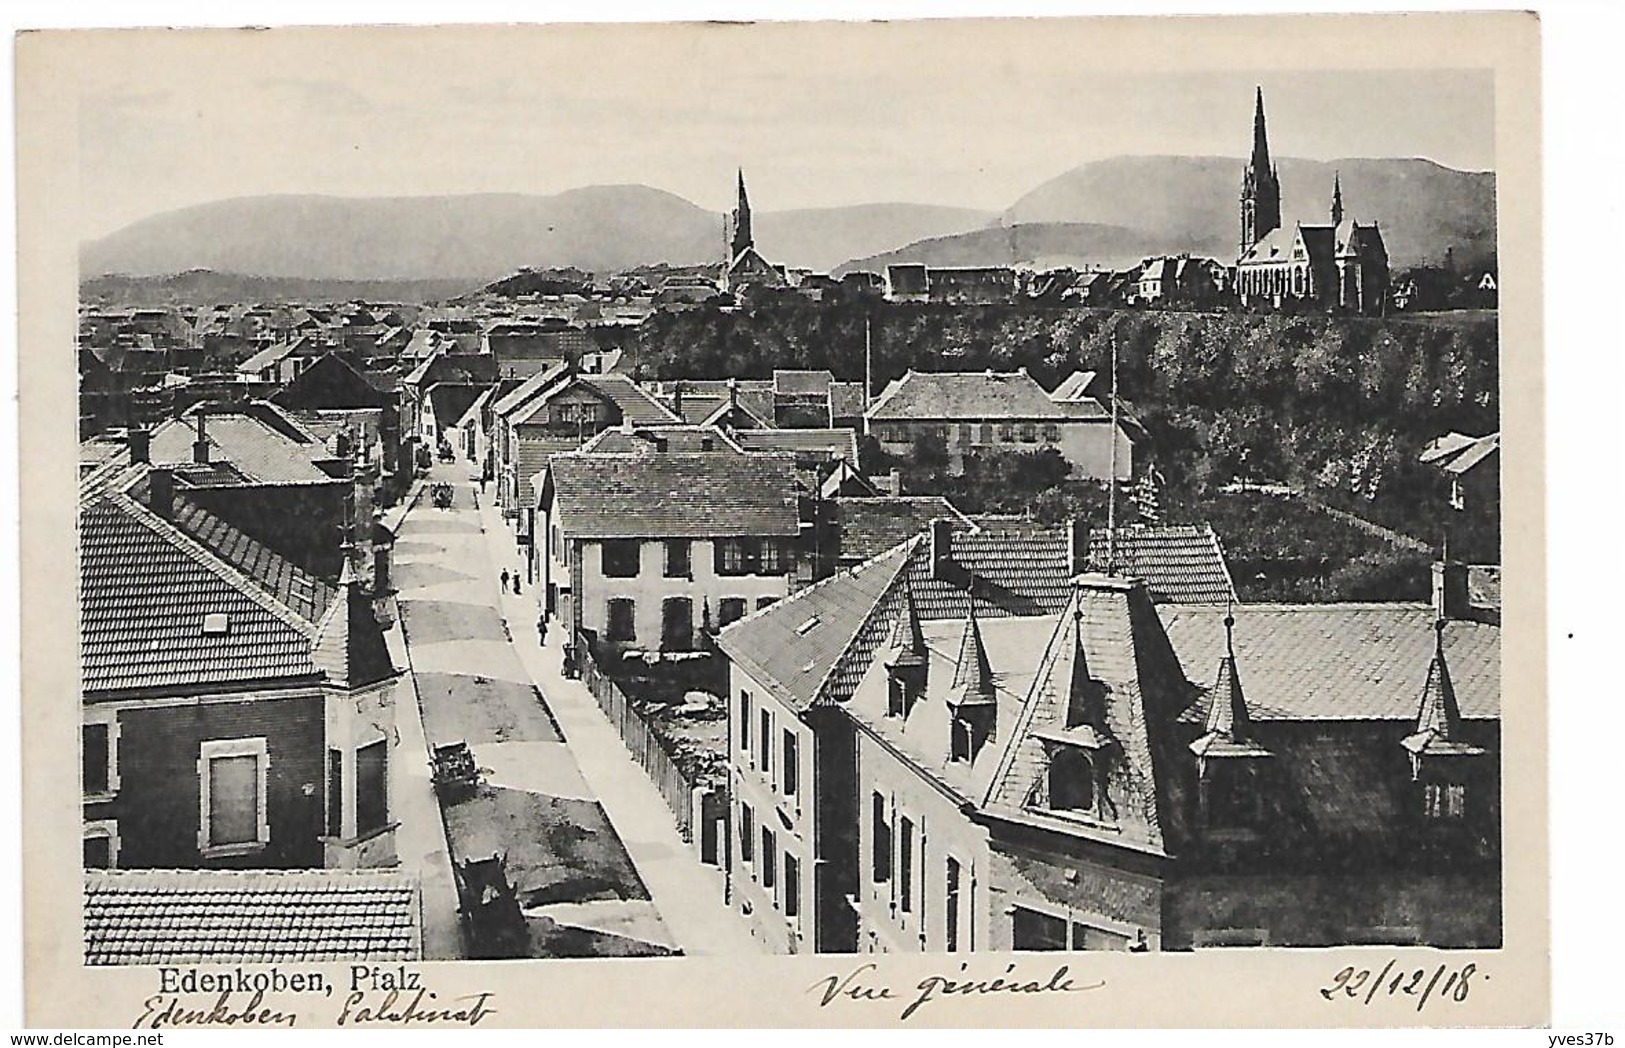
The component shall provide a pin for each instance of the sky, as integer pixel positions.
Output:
(818, 115)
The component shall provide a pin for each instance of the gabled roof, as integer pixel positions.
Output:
(968, 395)
(1113, 626)
(795, 645)
(180, 917)
(451, 400)
(675, 495)
(329, 383)
(262, 443)
(1438, 720)
(522, 394)
(453, 367)
(145, 591)
(1456, 453)
(1337, 662)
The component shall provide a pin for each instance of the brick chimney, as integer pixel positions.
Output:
(1450, 599)
(942, 548)
(677, 400)
(1077, 546)
(161, 491)
(200, 446)
(140, 441)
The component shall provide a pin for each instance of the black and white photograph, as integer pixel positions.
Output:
(754, 491)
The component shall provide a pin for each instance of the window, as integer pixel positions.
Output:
(101, 845)
(372, 787)
(1230, 791)
(232, 812)
(1052, 433)
(1007, 432)
(792, 886)
(764, 602)
(774, 557)
(97, 751)
(1031, 930)
(1088, 937)
(882, 841)
(679, 561)
(622, 620)
(335, 793)
(1071, 781)
(747, 832)
(792, 770)
(905, 864)
(987, 433)
(1029, 433)
(964, 433)
(1441, 800)
(896, 697)
(950, 906)
(972, 727)
(770, 856)
(676, 624)
(765, 742)
(730, 609)
(744, 721)
(730, 557)
(621, 559)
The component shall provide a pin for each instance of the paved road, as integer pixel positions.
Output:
(581, 894)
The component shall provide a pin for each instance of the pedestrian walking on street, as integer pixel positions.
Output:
(504, 580)
(516, 590)
(541, 630)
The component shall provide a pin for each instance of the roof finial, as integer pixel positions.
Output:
(1229, 629)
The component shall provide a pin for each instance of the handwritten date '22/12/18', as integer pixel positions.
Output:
(1441, 982)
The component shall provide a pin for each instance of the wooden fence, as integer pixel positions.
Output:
(640, 740)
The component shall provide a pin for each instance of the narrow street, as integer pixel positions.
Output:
(579, 890)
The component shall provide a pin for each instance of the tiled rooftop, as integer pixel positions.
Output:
(1181, 565)
(676, 495)
(870, 526)
(261, 451)
(250, 916)
(970, 395)
(1337, 661)
(145, 589)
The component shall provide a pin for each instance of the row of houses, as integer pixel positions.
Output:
(949, 749)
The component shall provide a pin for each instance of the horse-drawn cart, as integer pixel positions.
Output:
(455, 773)
(489, 905)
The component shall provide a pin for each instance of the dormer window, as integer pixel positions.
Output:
(972, 728)
(1071, 781)
(1444, 800)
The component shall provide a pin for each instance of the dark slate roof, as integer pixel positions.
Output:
(1112, 644)
(675, 495)
(451, 400)
(846, 399)
(331, 382)
(250, 916)
(1181, 565)
(1331, 662)
(801, 382)
(795, 645)
(292, 586)
(145, 589)
(969, 395)
(870, 526)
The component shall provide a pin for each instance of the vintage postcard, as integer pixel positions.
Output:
(929, 523)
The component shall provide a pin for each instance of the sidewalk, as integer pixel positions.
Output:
(686, 893)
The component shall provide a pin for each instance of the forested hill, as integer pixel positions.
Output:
(1336, 404)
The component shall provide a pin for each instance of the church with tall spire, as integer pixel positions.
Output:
(745, 267)
(1339, 266)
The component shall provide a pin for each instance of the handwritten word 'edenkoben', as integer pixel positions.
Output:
(859, 985)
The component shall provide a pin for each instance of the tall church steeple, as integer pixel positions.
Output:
(1337, 199)
(1260, 188)
(742, 236)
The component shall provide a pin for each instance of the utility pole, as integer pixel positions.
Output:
(868, 373)
(1111, 490)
